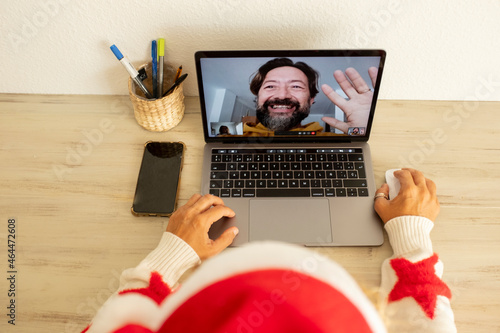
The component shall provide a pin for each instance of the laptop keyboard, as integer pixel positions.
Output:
(288, 173)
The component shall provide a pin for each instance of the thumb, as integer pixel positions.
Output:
(381, 204)
(225, 239)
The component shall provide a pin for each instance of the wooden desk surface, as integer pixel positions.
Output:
(69, 167)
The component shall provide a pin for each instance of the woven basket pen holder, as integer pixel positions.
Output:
(162, 114)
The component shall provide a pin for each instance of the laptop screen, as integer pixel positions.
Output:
(286, 96)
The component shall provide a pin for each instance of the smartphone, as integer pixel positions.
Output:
(159, 177)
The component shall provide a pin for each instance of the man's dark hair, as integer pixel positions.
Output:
(260, 75)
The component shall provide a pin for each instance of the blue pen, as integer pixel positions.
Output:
(134, 74)
(154, 57)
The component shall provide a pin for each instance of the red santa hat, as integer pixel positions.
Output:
(291, 290)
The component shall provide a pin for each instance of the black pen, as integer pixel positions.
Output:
(176, 84)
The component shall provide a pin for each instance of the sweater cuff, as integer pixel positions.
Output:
(408, 234)
(171, 258)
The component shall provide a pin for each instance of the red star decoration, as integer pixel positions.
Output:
(157, 289)
(418, 280)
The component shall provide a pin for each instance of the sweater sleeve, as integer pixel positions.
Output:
(414, 298)
(171, 258)
(143, 288)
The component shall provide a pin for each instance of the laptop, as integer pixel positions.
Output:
(287, 149)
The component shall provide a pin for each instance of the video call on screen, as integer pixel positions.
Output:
(231, 107)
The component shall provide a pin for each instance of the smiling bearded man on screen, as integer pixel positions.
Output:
(285, 92)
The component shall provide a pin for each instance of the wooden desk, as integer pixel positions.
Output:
(69, 167)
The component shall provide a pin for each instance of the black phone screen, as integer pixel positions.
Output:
(158, 181)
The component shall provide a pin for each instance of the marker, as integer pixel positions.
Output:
(134, 74)
(178, 73)
(176, 84)
(154, 58)
(161, 54)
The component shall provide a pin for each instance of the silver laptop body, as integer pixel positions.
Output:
(271, 174)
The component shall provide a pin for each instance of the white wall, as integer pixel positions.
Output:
(437, 50)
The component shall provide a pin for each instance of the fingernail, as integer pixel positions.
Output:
(235, 231)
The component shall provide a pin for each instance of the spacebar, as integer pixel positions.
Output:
(267, 192)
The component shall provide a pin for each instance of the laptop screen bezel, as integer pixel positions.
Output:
(289, 54)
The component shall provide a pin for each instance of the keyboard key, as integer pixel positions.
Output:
(337, 183)
(363, 192)
(360, 166)
(355, 183)
(352, 174)
(341, 174)
(215, 183)
(282, 183)
(315, 183)
(272, 183)
(236, 193)
(298, 174)
(340, 192)
(331, 174)
(331, 157)
(219, 175)
(274, 166)
(338, 166)
(267, 175)
(329, 192)
(320, 174)
(260, 183)
(218, 166)
(355, 157)
(326, 183)
(317, 192)
(250, 183)
(225, 193)
(283, 192)
(244, 175)
(248, 193)
(255, 174)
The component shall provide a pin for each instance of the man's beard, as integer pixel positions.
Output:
(285, 121)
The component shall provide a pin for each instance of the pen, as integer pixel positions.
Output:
(178, 73)
(161, 54)
(134, 74)
(176, 84)
(154, 62)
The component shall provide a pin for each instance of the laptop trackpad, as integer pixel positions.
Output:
(301, 221)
